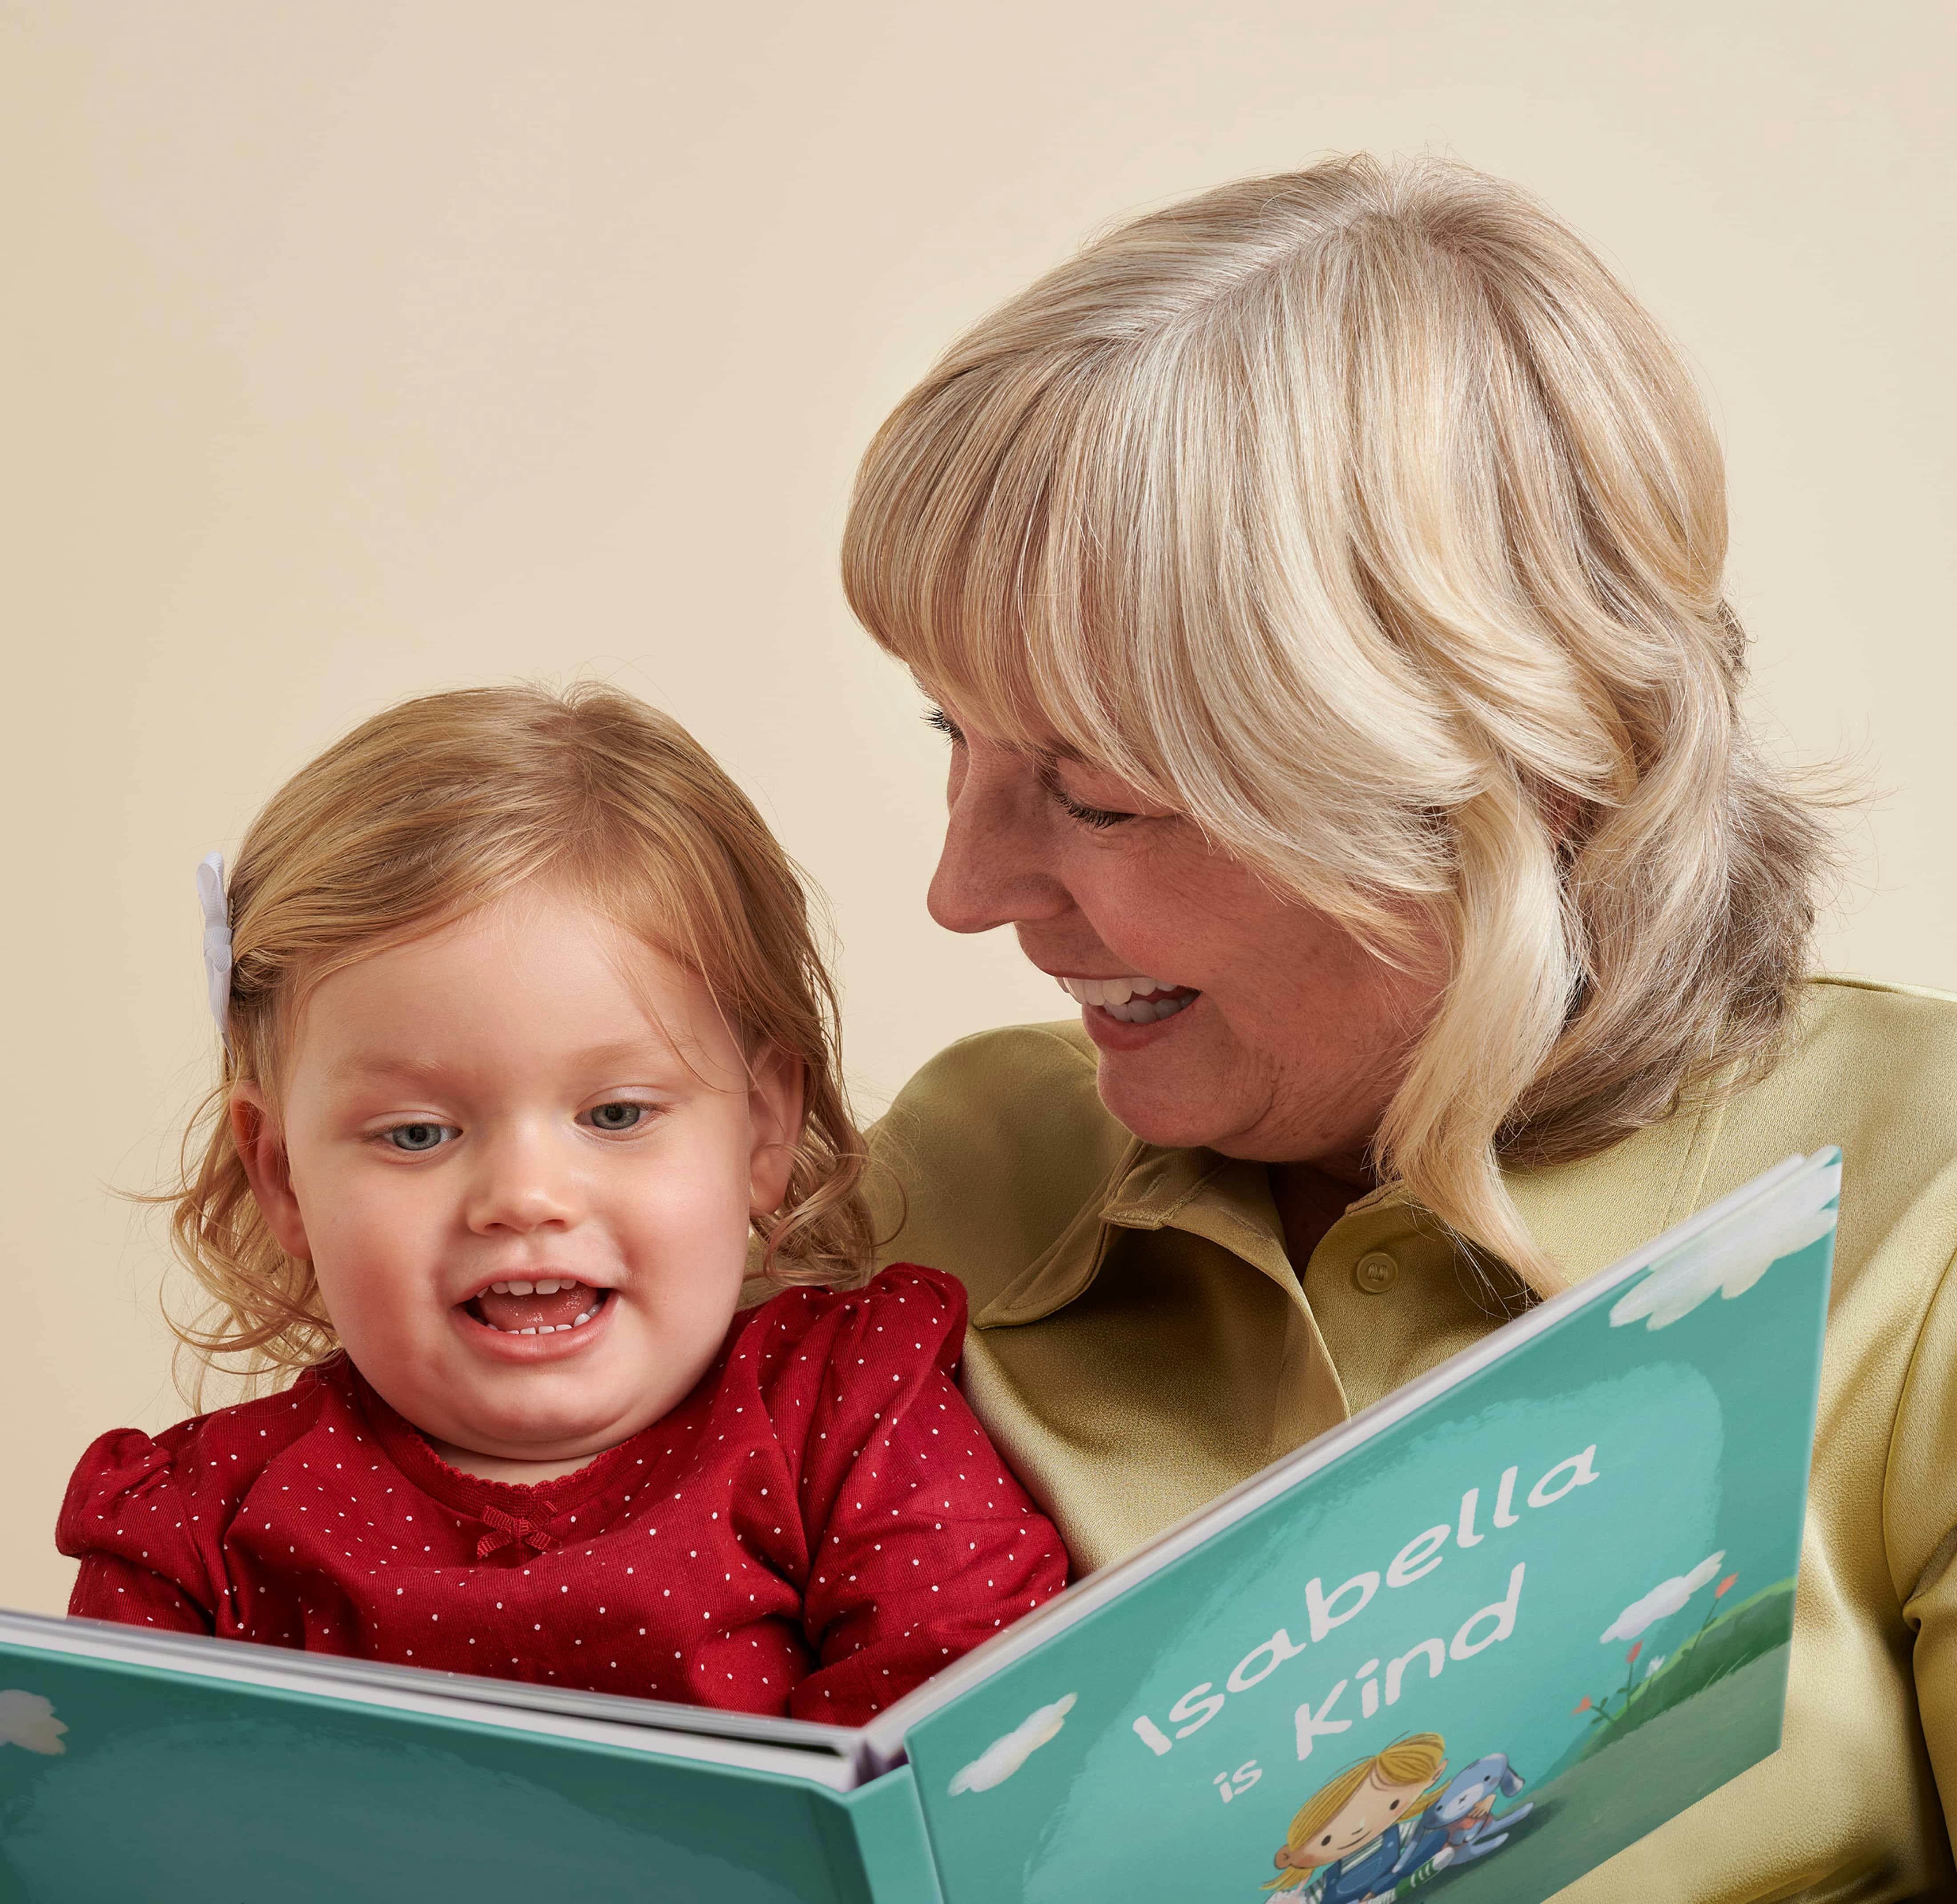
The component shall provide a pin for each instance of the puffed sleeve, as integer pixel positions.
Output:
(1919, 1519)
(921, 1543)
(127, 1517)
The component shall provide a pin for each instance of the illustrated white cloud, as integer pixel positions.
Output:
(27, 1719)
(1004, 1757)
(1730, 1261)
(1665, 1598)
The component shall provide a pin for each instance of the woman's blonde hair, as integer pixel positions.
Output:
(1418, 1759)
(1362, 515)
(439, 807)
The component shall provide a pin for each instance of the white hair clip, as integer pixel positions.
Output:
(210, 895)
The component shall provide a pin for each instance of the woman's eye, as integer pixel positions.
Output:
(1078, 811)
(937, 718)
(1086, 815)
(616, 1116)
(418, 1137)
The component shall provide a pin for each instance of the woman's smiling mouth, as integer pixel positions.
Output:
(1133, 1000)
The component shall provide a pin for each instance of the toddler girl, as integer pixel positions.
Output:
(525, 1032)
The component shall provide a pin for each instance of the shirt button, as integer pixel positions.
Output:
(1376, 1271)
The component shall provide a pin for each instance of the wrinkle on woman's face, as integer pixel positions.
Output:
(1297, 1035)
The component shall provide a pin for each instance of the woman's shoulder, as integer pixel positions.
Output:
(994, 1078)
(1873, 1067)
(991, 1152)
(1848, 1023)
(205, 1463)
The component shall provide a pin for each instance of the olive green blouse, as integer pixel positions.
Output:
(1140, 1341)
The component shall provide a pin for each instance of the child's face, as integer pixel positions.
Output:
(496, 1104)
(1369, 1811)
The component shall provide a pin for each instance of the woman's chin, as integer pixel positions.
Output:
(1178, 1095)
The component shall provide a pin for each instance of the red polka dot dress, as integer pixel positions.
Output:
(820, 1526)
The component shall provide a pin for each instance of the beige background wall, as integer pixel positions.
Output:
(348, 351)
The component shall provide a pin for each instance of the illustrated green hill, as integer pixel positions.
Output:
(1752, 1629)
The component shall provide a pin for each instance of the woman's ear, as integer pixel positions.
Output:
(776, 1090)
(261, 1149)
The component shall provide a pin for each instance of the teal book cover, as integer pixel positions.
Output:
(1544, 1608)
(1467, 1646)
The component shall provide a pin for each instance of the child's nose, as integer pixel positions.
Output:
(524, 1182)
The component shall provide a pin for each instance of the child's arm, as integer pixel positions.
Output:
(921, 1544)
(109, 1588)
(133, 1521)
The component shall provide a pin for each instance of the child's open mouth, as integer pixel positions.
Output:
(549, 1306)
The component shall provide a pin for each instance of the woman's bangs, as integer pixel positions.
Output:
(964, 559)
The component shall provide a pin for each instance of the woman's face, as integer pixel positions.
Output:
(1271, 1033)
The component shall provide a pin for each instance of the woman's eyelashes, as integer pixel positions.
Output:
(1076, 810)
(1049, 780)
(1086, 815)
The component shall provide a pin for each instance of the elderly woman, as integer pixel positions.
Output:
(1320, 586)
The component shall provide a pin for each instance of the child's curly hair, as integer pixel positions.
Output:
(440, 806)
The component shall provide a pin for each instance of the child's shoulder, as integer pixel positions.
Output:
(906, 1317)
(219, 1453)
(832, 1372)
(904, 1291)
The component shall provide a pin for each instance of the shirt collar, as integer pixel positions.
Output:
(1586, 1214)
(1225, 1199)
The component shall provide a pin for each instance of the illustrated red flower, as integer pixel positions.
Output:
(1719, 1591)
(1584, 1708)
(1630, 1658)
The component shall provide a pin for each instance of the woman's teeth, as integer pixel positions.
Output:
(1134, 1000)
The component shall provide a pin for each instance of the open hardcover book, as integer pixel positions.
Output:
(1558, 1570)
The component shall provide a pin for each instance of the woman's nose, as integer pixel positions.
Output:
(994, 867)
(524, 1181)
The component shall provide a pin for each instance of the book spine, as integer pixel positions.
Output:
(881, 1852)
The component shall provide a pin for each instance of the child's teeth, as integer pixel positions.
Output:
(544, 1287)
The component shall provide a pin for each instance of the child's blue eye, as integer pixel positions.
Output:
(420, 1137)
(616, 1116)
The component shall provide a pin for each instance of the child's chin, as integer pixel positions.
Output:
(499, 1440)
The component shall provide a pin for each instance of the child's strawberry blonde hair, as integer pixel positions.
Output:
(438, 807)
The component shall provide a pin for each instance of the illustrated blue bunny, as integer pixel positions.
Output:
(1455, 1826)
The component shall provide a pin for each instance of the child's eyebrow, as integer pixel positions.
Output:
(395, 1068)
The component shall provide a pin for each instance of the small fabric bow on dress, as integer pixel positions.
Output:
(210, 895)
(506, 1528)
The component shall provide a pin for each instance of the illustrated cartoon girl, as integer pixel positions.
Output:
(1345, 1840)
